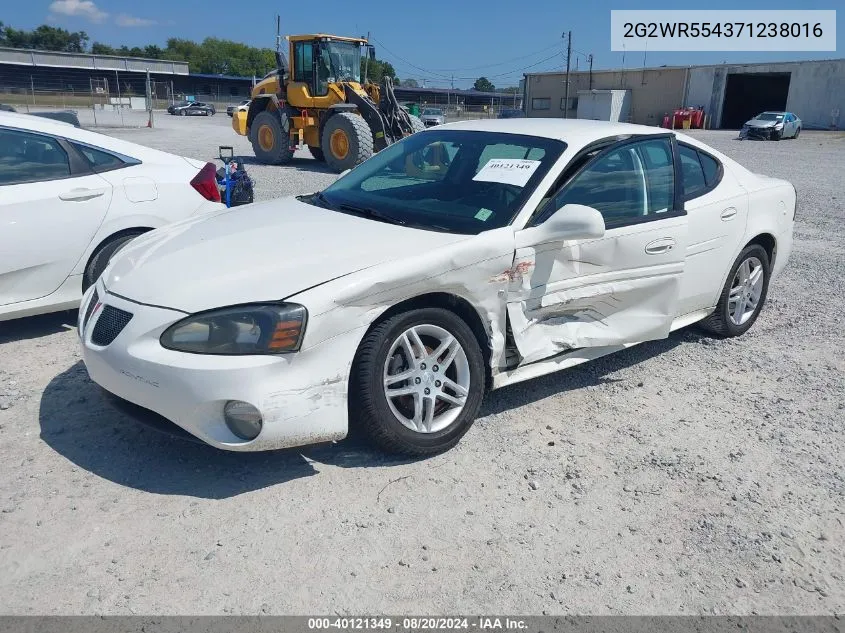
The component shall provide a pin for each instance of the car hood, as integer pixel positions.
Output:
(259, 252)
(761, 123)
(431, 117)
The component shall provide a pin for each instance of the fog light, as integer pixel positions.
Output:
(243, 419)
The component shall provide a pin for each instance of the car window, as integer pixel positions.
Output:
(710, 167)
(26, 157)
(458, 181)
(692, 174)
(98, 159)
(626, 184)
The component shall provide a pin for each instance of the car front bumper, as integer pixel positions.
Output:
(302, 397)
(760, 133)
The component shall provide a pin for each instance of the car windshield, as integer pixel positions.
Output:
(433, 111)
(456, 181)
(770, 116)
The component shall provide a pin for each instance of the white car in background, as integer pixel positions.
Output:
(70, 198)
(465, 257)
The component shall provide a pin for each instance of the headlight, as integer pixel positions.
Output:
(778, 126)
(239, 330)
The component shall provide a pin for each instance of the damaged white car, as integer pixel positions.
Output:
(466, 257)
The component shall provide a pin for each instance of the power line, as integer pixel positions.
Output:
(514, 59)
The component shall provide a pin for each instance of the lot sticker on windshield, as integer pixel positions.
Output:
(509, 171)
(483, 214)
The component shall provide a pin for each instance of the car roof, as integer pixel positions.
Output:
(30, 123)
(34, 123)
(575, 132)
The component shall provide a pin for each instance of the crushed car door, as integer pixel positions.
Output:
(621, 288)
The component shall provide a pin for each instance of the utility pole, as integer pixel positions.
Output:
(566, 90)
(590, 59)
(150, 99)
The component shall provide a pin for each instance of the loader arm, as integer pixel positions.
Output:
(372, 115)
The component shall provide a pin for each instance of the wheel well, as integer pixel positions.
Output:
(137, 230)
(767, 241)
(455, 304)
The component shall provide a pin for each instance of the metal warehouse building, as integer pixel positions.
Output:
(730, 94)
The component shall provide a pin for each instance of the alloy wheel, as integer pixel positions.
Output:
(746, 290)
(426, 378)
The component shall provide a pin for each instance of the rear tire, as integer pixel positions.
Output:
(462, 364)
(317, 153)
(270, 142)
(721, 322)
(347, 141)
(797, 132)
(101, 258)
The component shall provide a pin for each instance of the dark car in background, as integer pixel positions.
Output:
(192, 108)
(511, 114)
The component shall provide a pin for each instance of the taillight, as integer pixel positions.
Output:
(206, 183)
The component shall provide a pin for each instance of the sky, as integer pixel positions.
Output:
(431, 40)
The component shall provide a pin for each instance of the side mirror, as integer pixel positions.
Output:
(570, 222)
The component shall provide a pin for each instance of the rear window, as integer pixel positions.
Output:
(98, 159)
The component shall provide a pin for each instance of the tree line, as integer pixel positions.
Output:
(211, 56)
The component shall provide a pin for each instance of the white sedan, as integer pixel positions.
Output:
(466, 257)
(70, 198)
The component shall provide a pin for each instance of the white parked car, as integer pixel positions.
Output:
(465, 257)
(70, 198)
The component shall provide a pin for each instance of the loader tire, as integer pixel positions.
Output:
(416, 123)
(317, 153)
(270, 141)
(347, 141)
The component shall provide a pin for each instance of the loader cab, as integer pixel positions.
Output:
(318, 62)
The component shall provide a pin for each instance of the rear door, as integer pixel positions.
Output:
(619, 289)
(51, 205)
(717, 211)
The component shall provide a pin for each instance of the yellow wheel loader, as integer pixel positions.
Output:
(320, 101)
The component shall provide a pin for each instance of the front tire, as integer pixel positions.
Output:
(743, 296)
(417, 382)
(182, 113)
(102, 256)
(270, 141)
(317, 153)
(347, 141)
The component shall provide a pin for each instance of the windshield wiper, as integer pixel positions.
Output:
(371, 214)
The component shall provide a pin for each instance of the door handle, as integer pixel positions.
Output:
(661, 246)
(728, 214)
(80, 195)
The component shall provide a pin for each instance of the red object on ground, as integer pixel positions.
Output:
(667, 121)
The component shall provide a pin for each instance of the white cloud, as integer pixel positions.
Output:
(79, 8)
(130, 20)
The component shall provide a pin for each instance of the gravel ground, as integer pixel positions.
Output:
(685, 476)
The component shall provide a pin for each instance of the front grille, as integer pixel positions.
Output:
(109, 325)
(91, 304)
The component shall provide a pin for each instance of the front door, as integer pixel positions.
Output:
(619, 289)
(48, 214)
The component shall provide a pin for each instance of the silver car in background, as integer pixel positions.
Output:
(772, 126)
(432, 116)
